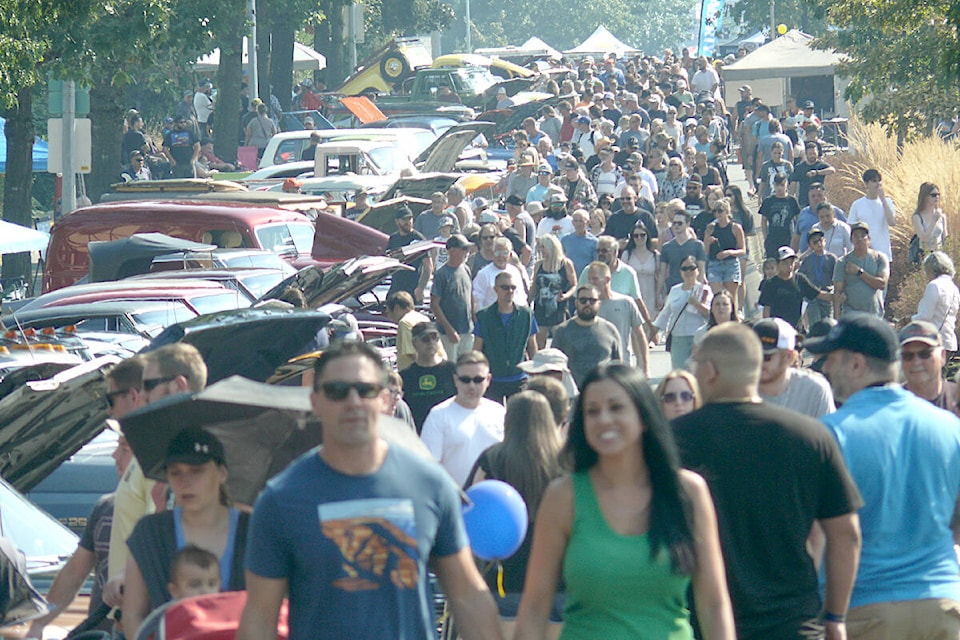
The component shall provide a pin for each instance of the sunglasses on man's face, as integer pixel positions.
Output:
(112, 396)
(149, 384)
(340, 390)
(473, 380)
(923, 354)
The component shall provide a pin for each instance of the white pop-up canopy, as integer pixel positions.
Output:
(304, 59)
(18, 239)
(600, 43)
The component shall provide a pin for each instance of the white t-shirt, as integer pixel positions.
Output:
(608, 181)
(559, 228)
(484, 291)
(871, 212)
(456, 436)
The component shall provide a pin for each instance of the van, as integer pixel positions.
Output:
(227, 225)
(289, 146)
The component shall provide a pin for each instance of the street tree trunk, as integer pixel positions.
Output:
(18, 183)
(227, 117)
(106, 116)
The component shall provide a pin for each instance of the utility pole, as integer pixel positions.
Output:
(69, 196)
(253, 84)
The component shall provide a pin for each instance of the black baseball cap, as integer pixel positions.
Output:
(458, 241)
(403, 212)
(515, 200)
(862, 333)
(424, 328)
(196, 446)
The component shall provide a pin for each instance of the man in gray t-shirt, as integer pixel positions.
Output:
(800, 390)
(676, 250)
(451, 299)
(587, 339)
(429, 222)
(860, 277)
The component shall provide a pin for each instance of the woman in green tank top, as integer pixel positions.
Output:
(628, 530)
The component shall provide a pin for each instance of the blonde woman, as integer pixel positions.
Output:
(554, 283)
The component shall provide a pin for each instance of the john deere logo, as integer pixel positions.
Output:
(428, 382)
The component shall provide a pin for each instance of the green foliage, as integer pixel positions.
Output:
(754, 15)
(903, 59)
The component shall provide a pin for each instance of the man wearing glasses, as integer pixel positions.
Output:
(922, 358)
(347, 531)
(460, 428)
(137, 170)
(622, 223)
(505, 333)
(429, 379)
(175, 368)
(675, 251)
(587, 339)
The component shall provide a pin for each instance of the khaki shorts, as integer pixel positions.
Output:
(930, 619)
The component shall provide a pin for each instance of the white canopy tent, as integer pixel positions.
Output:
(15, 238)
(304, 59)
(532, 47)
(789, 65)
(599, 44)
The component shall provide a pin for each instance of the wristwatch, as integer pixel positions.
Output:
(860, 273)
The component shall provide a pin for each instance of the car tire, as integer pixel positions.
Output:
(394, 67)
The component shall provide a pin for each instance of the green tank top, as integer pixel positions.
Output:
(614, 591)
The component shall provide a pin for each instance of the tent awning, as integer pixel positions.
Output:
(304, 59)
(39, 152)
(789, 56)
(18, 239)
(532, 47)
(600, 43)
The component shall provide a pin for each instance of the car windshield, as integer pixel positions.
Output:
(286, 237)
(37, 535)
(260, 283)
(151, 322)
(391, 159)
(219, 302)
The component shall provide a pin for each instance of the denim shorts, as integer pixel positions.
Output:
(723, 270)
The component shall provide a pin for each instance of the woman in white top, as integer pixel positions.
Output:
(686, 310)
(929, 221)
(645, 260)
(941, 298)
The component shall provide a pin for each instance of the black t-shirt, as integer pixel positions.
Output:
(405, 280)
(180, 144)
(426, 387)
(620, 224)
(772, 472)
(785, 298)
(780, 214)
(803, 182)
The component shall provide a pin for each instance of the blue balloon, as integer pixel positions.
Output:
(497, 520)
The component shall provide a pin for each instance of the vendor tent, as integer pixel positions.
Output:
(39, 152)
(786, 66)
(15, 238)
(534, 47)
(600, 43)
(304, 59)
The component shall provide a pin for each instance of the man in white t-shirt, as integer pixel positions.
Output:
(460, 428)
(876, 209)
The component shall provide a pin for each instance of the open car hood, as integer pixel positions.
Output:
(510, 121)
(44, 422)
(248, 342)
(443, 154)
(346, 280)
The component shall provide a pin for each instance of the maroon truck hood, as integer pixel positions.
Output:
(337, 239)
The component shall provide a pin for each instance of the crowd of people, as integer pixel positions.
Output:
(747, 496)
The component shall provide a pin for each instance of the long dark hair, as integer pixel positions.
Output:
(712, 322)
(736, 199)
(632, 244)
(529, 456)
(671, 519)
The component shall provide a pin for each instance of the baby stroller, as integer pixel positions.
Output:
(213, 617)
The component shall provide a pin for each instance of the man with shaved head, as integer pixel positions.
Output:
(773, 473)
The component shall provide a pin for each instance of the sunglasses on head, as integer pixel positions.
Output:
(923, 354)
(683, 396)
(149, 384)
(340, 390)
(474, 379)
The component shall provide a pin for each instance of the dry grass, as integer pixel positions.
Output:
(921, 160)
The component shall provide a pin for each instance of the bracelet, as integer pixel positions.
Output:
(829, 616)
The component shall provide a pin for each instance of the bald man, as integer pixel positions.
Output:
(773, 473)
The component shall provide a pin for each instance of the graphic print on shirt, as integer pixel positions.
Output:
(377, 539)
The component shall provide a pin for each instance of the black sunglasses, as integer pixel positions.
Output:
(340, 390)
(689, 268)
(683, 396)
(149, 384)
(113, 395)
(508, 287)
(908, 356)
(474, 379)
(588, 300)
(639, 235)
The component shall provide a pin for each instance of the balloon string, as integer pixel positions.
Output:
(500, 580)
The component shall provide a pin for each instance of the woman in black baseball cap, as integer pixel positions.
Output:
(196, 469)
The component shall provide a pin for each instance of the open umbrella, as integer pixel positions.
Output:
(262, 427)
